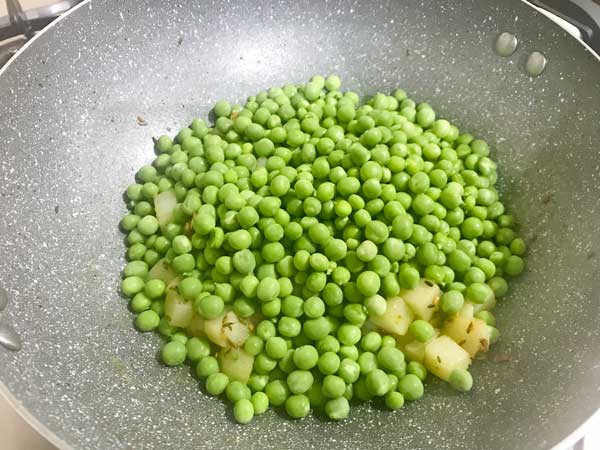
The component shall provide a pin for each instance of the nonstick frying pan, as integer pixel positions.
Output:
(71, 140)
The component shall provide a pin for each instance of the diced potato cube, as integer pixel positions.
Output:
(236, 364)
(178, 311)
(162, 270)
(477, 338)
(214, 331)
(227, 330)
(396, 319)
(422, 300)
(456, 326)
(443, 355)
(164, 204)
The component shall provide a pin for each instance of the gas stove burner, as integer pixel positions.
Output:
(21, 20)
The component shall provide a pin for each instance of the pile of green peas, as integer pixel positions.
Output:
(303, 210)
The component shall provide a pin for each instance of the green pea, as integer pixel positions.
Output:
(366, 251)
(300, 381)
(289, 327)
(394, 400)
(368, 283)
(518, 247)
(499, 286)
(487, 317)
(329, 363)
(263, 364)
(173, 353)
(136, 269)
(216, 383)
(411, 387)
(461, 380)
(337, 409)
(314, 307)
(408, 277)
(394, 249)
(333, 386)
(154, 288)
(417, 369)
(376, 305)
(478, 293)
(494, 334)
(316, 329)
(277, 392)
(452, 302)
(318, 262)
(254, 345)
(273, 252)
(260, 403)
(276, 347)
(306, 357)
(514, 265)
(197, 348)
(474, 275)
(271, 308)
(183, 263)
(422, 330)
(267, 289)
(459, 261)
(211, 306)
(140, 303)
(147, 320)
(391, 359)
(377, 382)
(243, 411)
(349, 334)
(376, 231)
(132, 285)
(236, 391)
(390, 286)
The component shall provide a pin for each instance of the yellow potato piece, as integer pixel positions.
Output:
(227, 330)
(456, 326)
(164, 204)
(396, 319)
(162, 271)
(236, 364)
(443, 355)
(477, 338)
(178, 311)
(422, 300)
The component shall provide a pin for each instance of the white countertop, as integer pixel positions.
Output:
(25, 4)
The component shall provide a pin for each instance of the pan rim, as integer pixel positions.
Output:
(566, 443)
(579, 433)
(547, 14)
(33, 421)
(42, 32)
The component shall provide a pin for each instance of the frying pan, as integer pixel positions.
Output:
(71, 142)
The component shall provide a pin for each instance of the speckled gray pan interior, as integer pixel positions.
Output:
(70, 142)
